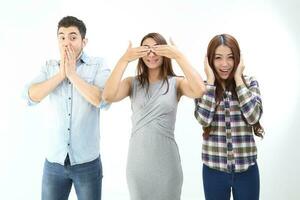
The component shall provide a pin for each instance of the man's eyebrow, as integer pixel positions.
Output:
(72, 33)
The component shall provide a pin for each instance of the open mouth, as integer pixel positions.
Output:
(224, 72)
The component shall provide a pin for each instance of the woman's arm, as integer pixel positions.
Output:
(115, 89)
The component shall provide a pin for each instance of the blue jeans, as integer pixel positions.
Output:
(58, 179)
(217, 184)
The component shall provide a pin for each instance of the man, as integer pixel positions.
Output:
(74, 86)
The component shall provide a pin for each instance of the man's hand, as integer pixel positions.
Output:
(62, 71)
(70, 62)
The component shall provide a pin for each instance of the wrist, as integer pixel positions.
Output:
(62, 75)
(211, 81)
(238, 80)
(124, 60)
(179, 56)
(71, 75)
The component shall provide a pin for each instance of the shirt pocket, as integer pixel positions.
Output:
(88, 79)
(88, 74)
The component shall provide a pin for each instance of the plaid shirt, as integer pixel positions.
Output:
(230, 146)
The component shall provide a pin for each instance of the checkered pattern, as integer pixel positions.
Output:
(230, 146)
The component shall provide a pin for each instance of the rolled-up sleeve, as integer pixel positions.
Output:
(101, 77)
(42, 76)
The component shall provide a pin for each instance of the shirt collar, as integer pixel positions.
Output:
(83, 57)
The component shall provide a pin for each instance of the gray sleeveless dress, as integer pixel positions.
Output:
(153, 166)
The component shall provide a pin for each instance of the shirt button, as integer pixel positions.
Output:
(229, 146)
(69, 82)
(69, 114)
(68, 144)
(69, 98)
(68, 129)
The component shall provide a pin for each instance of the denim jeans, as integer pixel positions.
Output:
(218, 184)
(58, 180)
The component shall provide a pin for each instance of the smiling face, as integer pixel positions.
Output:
(152, 60)
(223, 62)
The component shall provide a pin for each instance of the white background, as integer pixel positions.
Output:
(268, 33)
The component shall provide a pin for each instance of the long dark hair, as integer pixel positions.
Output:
(231, 42)
(165, 69)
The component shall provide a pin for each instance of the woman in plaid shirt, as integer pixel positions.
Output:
(229, 113)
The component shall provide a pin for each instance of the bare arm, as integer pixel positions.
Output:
(115, 89)
(39, 91)
(90, 92)
(192, 85)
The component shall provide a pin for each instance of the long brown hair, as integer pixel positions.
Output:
(231, 42)
(165, 69)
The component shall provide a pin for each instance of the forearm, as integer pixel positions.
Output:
(250, 103)
(39, 91)
(204, 120)
(194, 79)
(113, 82)
(90, 92)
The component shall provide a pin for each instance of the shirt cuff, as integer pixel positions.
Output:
(104, 105)
(210, 90)
(27, 98)
(241, 90)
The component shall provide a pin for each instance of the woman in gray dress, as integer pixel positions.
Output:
(153, 166)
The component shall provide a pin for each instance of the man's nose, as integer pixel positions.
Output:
(66, 42)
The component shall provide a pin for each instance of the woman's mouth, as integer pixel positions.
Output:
(152, 61)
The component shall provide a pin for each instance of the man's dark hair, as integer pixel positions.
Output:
(73, 21)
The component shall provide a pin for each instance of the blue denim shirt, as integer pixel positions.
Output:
(75, 125)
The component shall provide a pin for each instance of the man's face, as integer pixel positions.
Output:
(70, 37)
